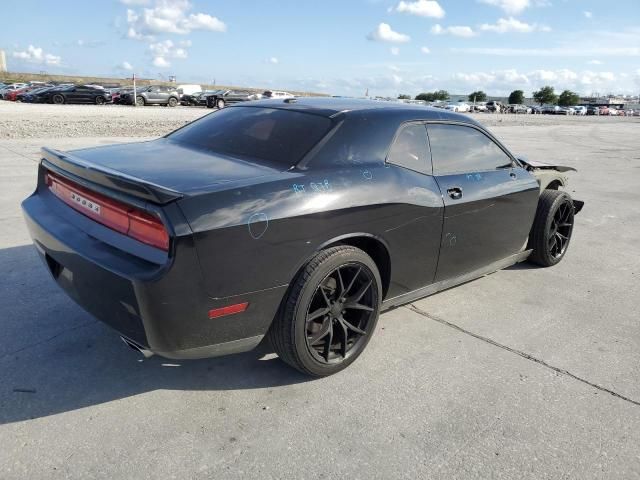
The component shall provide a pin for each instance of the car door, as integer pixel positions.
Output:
(79, 95)
(162, 95)
(419, 222)
(490, 200)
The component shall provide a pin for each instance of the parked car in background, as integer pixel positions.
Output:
(12, 95)
(604, 110)
(10, 88)
(28, 95)
(479, 107)
(276, 94)
(593, 110)
(297, 221)
(228, 97)
(79, 94)
(550, 109)
(518, 108)
(152, 95)
(495, 106)
(458, 107)
(188, 89)
(579, 110)
(613, 111)
(43, 95)
(190, 98)
(535, 109)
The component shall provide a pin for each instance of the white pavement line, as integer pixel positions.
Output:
(524, 355)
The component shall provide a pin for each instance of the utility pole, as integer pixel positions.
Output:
(135, 97)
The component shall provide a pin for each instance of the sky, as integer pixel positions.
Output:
(341, 47)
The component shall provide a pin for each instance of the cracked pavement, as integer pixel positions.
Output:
(527, 373)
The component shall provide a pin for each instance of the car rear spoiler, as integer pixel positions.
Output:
(113, 179)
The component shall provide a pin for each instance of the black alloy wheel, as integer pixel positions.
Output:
(140, 102)
(330, 312)
(99, 100)
(58, 99)
(340, 312)
(560, 231)
(552, 228)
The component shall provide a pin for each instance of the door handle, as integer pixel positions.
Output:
(455, 193)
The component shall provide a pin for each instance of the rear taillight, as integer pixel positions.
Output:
(118, 216)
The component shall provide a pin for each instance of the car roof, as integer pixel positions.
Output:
(332, 107)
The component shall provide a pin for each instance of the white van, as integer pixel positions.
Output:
(188, 89)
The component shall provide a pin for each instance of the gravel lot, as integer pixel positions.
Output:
(21, 120)
(528, 373)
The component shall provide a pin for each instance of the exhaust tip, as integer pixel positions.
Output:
(138, 348)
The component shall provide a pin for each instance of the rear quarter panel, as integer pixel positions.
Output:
(258, 236)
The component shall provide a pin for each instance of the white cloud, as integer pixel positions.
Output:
(594, 62)
(425, 50)
(422, 8)
(394, 51)
(501, 82)
(456, 30)
(169, 16)
(125, 66)
(384, 33)
(90, 43)
(273, 60)
(586, 51)
(37, 55)
(587, 14)
(167, 49)
(161, 62)
(135, 2)
(512, 7)
(504, 25)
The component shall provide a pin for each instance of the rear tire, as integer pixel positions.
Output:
(330, 312)
(552, 228)
(99, 100)
(57, 99)
(220, 104)
(140, 101)
(173, 102)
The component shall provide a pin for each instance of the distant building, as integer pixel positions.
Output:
(3, 61)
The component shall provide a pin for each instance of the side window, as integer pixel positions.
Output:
(410, 148)
(460, 149)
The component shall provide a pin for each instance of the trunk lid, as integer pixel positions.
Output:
(160, 170)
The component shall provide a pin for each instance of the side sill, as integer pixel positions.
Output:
(452, 282)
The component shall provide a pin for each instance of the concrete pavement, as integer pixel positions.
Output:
(504, 377)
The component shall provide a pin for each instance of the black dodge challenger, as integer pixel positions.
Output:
(299, 220)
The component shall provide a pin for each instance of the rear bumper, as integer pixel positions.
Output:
(163, 308)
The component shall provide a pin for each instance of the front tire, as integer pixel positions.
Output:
(552, 228)
(173, 102)
(99, 100)
(220, 104)
(58, 99)
(330, 312)
(140, 101)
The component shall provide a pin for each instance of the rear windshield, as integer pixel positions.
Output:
(276, 136)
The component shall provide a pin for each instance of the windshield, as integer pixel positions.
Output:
(277, 136)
